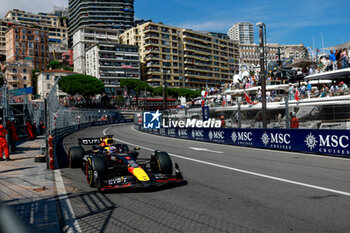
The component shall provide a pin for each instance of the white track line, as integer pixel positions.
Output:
(244, 171)
(67, 210)
(246, 148)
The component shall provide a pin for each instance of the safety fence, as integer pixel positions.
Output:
(328, 142)
(323, 113)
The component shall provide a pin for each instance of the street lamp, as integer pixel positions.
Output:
(164, 90)
(262, 29)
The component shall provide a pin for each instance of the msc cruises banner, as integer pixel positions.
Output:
(330, 142)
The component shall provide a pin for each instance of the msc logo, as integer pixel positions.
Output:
(151, 120)
(216, 135)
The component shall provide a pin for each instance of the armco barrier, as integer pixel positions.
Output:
(329, 142)
(59, 134)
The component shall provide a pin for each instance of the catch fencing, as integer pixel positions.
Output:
(324, 113)
(62, 120)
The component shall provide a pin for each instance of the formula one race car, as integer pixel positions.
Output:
(111, 166)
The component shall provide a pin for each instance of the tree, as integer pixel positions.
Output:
(119, 100)
(137, 85)
(67, 68)
(80, 84)
(54, 65)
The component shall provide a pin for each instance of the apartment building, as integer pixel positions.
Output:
(56, 26)
(250, 53)
(243, 32)
(3, 28)
(24, 42)
(182, 57)
(86, 37)
(18, 74)
(46, 80)
(112, 14)
(111, 62)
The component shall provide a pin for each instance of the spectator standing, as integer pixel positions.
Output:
(291, 92)
(303, 91)
(337, 58)
(344, 59)
(333, 60)
(259, 94)
(308, 89)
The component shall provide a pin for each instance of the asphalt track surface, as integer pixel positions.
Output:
(230, 189)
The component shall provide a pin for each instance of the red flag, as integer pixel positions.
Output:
(223, 103)
(203, 101)
(296, 95)
(249, 101)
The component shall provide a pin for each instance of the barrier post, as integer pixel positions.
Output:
(286, 99)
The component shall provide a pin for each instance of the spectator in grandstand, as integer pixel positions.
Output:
(338, 57)
(343, 87)
(291, 92)
(344, 59)
(308, 89)
(303, 91)
(333, 60)
(259, 94)
(324, 91)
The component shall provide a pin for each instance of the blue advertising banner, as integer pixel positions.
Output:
(22, 91)
(330, 142)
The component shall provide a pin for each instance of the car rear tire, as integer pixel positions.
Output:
(161, 163)
(76, 155)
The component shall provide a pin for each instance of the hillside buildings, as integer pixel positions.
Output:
(250, 53)
(243, 32)
(23, 43)
(18, 74)
(46, 80)
(85, 37)
(56, 26)
(182, 57)
(111, 62)
(111, 14)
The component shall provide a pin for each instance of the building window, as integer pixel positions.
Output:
(48, 86)
(24, 77)
(24, 85)
(47, 77)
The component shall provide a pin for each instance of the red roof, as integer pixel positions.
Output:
(58, 71)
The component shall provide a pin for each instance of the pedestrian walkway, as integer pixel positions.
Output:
(28, 189)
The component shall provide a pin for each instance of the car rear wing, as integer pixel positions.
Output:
(93, 141)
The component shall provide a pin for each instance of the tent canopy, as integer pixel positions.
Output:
(341, 46)
(342, 73)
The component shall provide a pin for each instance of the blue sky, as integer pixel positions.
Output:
(287, 22)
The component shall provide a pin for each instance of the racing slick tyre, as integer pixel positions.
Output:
(76, 155)
(161, 163)
(96, 168)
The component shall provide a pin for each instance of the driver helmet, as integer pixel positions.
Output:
(113, 149)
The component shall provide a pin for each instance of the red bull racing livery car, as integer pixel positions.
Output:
(112, 166)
